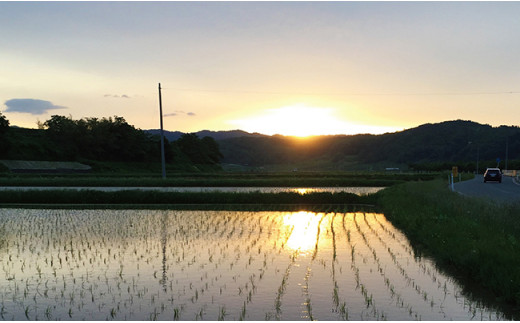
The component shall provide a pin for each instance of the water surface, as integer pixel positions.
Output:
(212, 265)
(300, 190)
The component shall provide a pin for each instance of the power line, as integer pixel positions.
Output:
(347, 93)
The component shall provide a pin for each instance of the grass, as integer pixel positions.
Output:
(215, 179)
(136, 197)
(476, 240)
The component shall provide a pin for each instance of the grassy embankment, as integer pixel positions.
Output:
(134, 198)
(476, 240)
(318, 202)
(218, 179)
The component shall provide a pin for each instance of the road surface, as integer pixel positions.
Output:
(507, 191)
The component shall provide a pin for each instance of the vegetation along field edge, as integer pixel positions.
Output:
(475, 240)
(136, 197)
(218, 180)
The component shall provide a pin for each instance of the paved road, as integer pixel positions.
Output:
(507, 191)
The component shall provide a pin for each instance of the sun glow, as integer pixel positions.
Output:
(303, 121)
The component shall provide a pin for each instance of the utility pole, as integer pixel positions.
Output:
(163, 160)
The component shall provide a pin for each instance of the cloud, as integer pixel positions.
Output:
(122, 96)
(176, 113)
(31, 106)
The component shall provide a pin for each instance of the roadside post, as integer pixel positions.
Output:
(454, 174)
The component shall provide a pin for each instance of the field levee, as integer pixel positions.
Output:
(475, 240)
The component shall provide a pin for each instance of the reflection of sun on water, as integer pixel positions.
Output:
(304, 230)
(303, 191)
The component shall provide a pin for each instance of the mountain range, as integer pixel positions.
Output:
(217, 135)
(439, 145)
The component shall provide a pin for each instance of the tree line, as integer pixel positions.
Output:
(101, 139)
(427, 147)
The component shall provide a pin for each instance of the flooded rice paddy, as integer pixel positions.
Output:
(218, 265)
(353, 190)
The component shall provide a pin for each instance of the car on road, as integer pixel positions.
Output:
(493, 174)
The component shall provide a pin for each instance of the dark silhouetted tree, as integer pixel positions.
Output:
(4, 144)
(4, 124)
(211, 148)
(203, 151)
(110, 139)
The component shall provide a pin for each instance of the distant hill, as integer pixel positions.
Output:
(433, 145)
(217, 135)
(450, 141)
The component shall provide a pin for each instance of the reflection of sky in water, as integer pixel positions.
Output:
(302, 190)
(210, 265)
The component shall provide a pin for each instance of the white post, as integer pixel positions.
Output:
(452, 186)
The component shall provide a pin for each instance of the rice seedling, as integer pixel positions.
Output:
(148, 265)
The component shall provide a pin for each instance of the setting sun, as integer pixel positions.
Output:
(302, 121)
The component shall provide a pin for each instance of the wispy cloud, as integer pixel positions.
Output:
(178, 112)
(122, 96)
(31, 106)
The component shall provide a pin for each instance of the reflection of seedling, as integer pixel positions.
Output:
(48, 313)
(201, 313)
(335, 296)
(344, 311)
(334, 255)
(27, 312)
(309, 308)
(222, 313)
(176, 314)
(243, 312)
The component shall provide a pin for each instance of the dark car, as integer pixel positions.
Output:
(493, 174)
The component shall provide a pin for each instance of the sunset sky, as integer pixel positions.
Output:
(293, 68)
